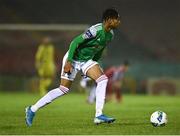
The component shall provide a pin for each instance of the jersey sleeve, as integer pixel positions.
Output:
(87, 35)
(90, 33)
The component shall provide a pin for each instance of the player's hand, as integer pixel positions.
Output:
(68, 67)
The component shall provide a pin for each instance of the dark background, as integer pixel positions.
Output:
(148, 37)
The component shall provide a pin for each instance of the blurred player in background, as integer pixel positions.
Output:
(115, 80)
(89, 86)
(116, 76)
(45, 64)
(84, 52)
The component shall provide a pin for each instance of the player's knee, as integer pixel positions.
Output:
(102, 78)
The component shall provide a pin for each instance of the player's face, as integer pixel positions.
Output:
(114, 22)
(46, 40)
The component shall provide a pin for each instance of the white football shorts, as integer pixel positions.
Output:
(77, 66)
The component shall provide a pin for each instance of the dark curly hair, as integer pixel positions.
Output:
(110, 13)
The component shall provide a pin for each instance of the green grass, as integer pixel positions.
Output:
(70, 114)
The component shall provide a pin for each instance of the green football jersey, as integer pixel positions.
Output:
(90, 44)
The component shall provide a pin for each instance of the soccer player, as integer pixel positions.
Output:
(45, 64)
(116, 76)
(84, 52)
(115, 79)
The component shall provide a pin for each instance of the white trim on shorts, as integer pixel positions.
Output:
(89, 64)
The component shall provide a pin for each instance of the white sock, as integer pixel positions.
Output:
(49, 97)
(100, 94)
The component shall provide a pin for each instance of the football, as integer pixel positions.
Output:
(158, 118)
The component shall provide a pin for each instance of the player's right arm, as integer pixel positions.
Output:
(89, 34)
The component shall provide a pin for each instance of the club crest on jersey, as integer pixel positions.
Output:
(88, 34)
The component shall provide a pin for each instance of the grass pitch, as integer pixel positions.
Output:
(70, 114)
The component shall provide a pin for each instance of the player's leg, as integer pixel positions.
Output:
(52, 94)
(118, 92)
(94, 71)
(92, 94)
(48, 82)
(49, 73)
(88, 83)
(42, 86)
(45, 82)
(46, 99)
(66, 81)
(109, 91)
